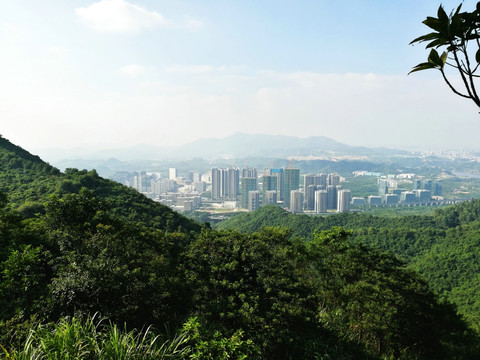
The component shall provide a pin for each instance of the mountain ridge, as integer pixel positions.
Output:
(237, 145)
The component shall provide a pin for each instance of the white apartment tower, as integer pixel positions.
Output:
(296, 201)
(253, 200)
(343, 200)
(270, 197)
(321, 201)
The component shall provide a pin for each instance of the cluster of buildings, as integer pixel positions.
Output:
(389, 194)
(180, 193)
(232, 188)
(235, 188)
(280, 186)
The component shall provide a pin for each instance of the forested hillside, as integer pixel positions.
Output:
(29, 182)
(444, 248)
(75, 247)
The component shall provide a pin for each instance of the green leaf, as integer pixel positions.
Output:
(427, 37)
(477, 56)
(422, 66)
(437, 43)
(442, 15)
(456, 27)
(434, 58)
(458, 9)
(443, 57)
(433, 23)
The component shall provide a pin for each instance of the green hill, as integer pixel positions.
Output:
(444, 247)
(28, 182)
(73, 245)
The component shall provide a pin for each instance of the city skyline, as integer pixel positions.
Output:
(232, 189)
(102, 74)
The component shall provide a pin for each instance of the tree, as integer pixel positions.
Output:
(458, 35)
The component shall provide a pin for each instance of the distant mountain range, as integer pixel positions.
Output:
(238, 145)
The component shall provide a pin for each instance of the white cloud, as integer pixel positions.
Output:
(12, 33)
(56, 50)
(357, 109)
(132, 70)
(124, 17)
(201, 69)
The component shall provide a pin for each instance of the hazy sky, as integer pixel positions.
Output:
(115, 73)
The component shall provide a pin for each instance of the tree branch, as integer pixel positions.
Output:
(451, 86)
(465, 81)
(470, 77)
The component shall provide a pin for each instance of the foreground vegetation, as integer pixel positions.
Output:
(269, 293)
(442, 247)
(94, 338)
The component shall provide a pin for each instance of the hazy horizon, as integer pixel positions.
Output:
(53, 154)
(115, 73)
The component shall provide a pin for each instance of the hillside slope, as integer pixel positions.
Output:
(94, 246)
(28, 182)
(444, 248)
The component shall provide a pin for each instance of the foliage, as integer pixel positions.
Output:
(454, 33)
(266, 293)
(253, 282)
(28, 182)
(442, 247)
(290, 297)
(372, 298)
(97, 338)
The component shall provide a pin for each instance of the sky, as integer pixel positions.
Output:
(117, 73)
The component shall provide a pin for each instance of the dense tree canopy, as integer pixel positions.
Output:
(313, 291)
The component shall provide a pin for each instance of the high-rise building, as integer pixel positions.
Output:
(247, 185)
(308, 179)
(269, 183)
(427, 184)
(217, 179)
(311, 183)
(417, 184)
(310, 197)
(142, 182)
(333, 179)
(278, 173)
(408, 197)
(382, 187)
(270, 197)
(337, 189)
(343, 200)
(197, 177)
(321, 201)
(423, 195)
(321, 181)
(233, 189)
(296, 201)
(253, 200)
(225, 184)
(437, 188)
(249, 172)
(291, 181)
(172, 173)
(331, 197)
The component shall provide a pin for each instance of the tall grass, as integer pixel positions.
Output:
(95, 338)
